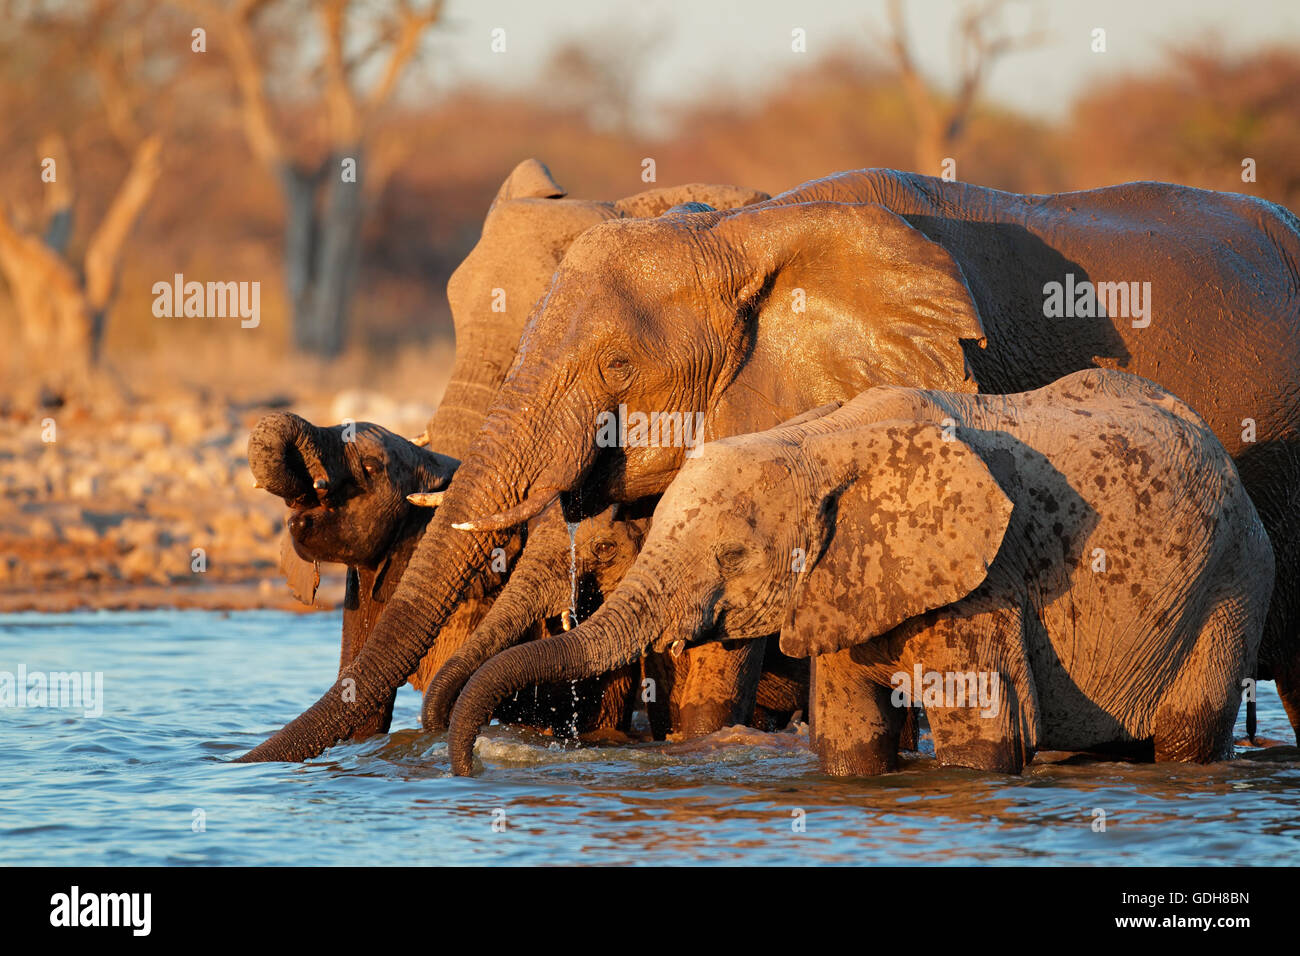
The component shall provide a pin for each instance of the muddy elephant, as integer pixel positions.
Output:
(740, 319)
(346, 488)
(560, 578)
(1074, 568)
(563, 575)
(360, 496)
(527, 230)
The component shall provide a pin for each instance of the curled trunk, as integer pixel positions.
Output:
(288, 454)
(496, 476)
(615, 635)
(530, 595)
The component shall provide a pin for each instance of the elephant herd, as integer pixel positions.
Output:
(833, 452)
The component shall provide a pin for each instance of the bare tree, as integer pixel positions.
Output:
(62, 305)
(981, 40)
(324, 199)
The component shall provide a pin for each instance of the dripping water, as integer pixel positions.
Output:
(573, 614)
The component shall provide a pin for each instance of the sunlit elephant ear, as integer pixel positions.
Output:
(858, 287)
(655, 202)
(912, 524)
(529, 180)
(303, 576)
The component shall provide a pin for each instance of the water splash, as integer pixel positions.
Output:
(573, 572)
(573, 615)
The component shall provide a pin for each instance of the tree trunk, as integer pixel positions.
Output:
(322, 247)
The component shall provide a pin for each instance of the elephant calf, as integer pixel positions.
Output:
(346, 488)
(556, 571)
(1073, 568)
(360, 496)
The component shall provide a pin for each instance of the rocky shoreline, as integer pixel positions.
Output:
(149, 503)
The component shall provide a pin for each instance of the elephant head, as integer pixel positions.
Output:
(563, 574)
(718, 323)
(833, 530)
(347, 489)
(528, 228)
(346, 486)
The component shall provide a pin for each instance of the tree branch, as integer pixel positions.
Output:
(104, 252)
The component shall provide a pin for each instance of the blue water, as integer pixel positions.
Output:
(186, 690)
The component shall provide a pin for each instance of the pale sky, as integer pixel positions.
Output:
(746, 44)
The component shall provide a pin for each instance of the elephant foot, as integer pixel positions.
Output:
(985, 736)
(855, 727)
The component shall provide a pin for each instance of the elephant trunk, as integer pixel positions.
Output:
(290, 457)
(619, 632)
(500, 469)
(531, 594)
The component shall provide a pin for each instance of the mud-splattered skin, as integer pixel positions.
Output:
(865, 278)
(537, 599)
(535, 602)
(1089, 543)
(526, 233)
(345, 488)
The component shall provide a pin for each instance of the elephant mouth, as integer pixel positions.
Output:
(305, 527)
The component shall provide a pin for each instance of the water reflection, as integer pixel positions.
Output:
(186, 690)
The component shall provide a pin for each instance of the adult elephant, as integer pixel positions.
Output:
(528, 228)
(864, 278)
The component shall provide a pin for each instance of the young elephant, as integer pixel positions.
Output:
(1081, 559)
(557, 572)
(346, 487)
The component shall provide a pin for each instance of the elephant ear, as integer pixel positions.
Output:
(655, 202)
(303, 576)
(529, 180)
(913, 524)
(871, 299)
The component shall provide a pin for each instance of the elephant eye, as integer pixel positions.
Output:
(603, 550)
(617, 369)
(730, 556)
(373, 466)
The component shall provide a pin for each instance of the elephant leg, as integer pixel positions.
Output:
(661, 672)
(1286, 676)
(854, 725)
(608, 708)
(1197, 714)
(1271, 474)
(909, 738)
(718, 688)
(977, 690)
(360, 611)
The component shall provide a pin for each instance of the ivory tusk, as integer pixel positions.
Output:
(566, 619)
(420, 440)
(256, 483)
(426, 499)
(676, 648)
